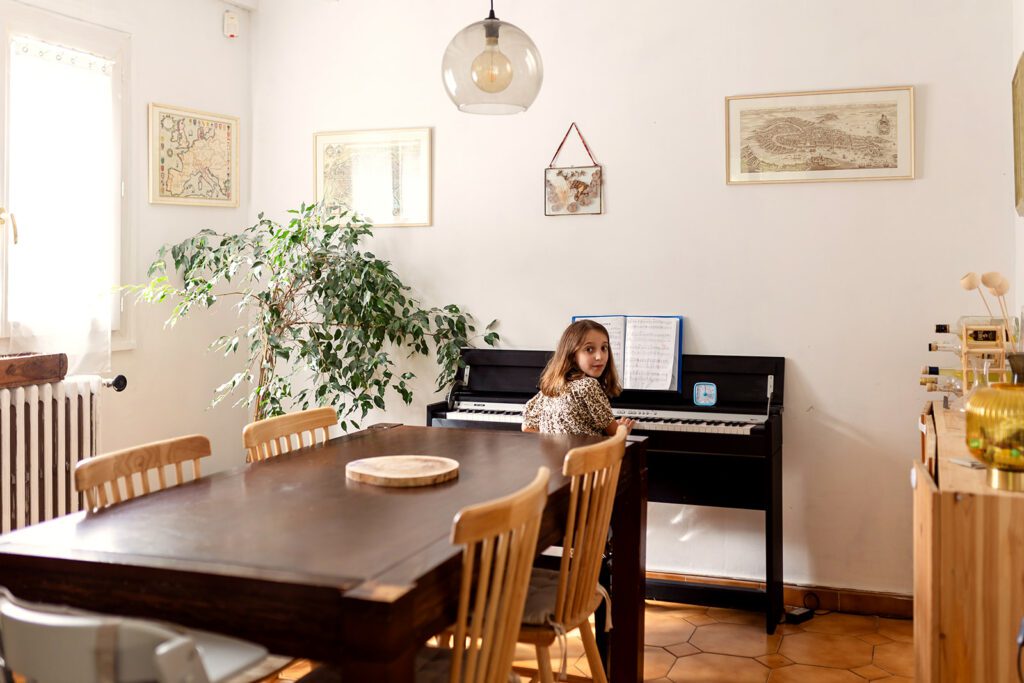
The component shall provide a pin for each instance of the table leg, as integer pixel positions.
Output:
(628, 581)
(604, 578)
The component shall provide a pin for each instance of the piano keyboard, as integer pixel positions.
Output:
(646, 420)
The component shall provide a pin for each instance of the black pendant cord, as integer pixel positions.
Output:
(491, 15)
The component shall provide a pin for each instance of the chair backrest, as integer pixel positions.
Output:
(95, 475)
(595, 476)
(274, 436)
(50, 644)
(500, 541)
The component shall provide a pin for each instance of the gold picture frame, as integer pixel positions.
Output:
(193, 157)
(383, 175)
(820, 136)
(1018, 136)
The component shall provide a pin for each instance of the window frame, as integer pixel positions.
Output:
(49, 26)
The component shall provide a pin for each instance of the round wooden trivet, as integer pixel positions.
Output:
(402, 470)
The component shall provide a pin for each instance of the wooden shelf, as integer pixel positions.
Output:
(21, 369)
(968, 561)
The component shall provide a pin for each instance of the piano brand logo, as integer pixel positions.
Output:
(635, 413)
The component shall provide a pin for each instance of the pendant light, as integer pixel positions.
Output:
(492, 67)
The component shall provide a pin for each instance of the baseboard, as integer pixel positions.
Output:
(816, 597)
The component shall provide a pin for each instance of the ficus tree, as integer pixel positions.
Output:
(325, 322)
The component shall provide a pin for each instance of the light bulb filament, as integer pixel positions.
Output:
(491, 70)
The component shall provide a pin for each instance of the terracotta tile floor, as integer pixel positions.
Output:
(712, 645)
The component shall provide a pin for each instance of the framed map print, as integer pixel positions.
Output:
(383, 175)
(865, 134)
(193, 157)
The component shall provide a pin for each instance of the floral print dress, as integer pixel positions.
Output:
(582, 408)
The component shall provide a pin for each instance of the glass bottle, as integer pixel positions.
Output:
(955, 328)
(951, 346)
(931, 373)
(944, 383)
(980, 366)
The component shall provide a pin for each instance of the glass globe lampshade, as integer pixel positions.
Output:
(492, 67)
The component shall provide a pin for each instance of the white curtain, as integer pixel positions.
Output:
(64, 179)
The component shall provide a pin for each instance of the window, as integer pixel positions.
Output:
(65, 131)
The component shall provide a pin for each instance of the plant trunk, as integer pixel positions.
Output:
(260, 412)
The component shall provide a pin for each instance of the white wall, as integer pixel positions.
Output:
(180, 57)
(1011, 66)
(844, 279)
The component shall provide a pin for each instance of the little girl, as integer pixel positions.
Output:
(575, 386)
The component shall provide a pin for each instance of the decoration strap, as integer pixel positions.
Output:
(559, 150)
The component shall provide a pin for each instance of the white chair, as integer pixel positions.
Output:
(51, 644)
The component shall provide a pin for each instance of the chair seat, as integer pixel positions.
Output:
(57, 643)
(540, 606)
(224, 657)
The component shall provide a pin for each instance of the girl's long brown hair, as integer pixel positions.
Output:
(562, 368)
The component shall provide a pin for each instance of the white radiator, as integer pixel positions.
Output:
(44, 430)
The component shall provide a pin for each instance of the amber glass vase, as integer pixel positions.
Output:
(995, 433)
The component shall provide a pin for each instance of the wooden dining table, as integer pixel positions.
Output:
(290, 554)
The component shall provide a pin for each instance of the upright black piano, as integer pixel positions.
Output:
(728, 455)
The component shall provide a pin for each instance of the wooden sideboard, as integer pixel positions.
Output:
(968, 561)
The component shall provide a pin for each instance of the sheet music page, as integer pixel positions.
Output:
(616, 326)
(651, 350)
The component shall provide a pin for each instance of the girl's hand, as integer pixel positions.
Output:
(627, 423)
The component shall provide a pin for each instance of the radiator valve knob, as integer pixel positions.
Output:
(118, 383)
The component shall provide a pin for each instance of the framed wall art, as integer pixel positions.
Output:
(383, 175)
(193, 157)
(864, 134)
(573, 190)
(1018, 137)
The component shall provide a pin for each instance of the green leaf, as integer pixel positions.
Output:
(325, 319)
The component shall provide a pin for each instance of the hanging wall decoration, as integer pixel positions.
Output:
(384, 175)
(572, 190)
(862, 134)
(193, 157)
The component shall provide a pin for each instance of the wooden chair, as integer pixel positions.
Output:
(48, 644)
(271, 437)
(95, 475)
(564, 600)
(499, 540)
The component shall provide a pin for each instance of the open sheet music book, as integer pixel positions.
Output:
(646, 349)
